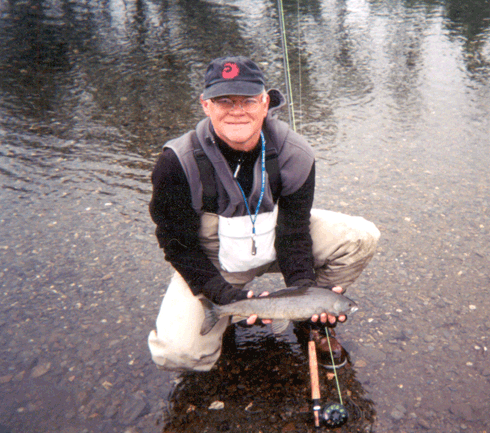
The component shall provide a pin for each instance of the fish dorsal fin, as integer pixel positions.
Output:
(279, 326)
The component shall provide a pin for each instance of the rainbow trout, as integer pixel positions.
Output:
(282, 306)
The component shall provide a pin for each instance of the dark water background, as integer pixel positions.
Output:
(395, 98)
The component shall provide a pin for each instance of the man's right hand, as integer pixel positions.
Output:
(324, 317)
(331, 319)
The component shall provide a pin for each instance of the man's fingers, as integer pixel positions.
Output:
(324, 318)
(251, 320)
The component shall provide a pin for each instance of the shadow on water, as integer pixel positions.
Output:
(264, 384)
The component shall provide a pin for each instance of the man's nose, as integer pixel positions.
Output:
(237, 108)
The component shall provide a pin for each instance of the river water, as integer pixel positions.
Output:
(395, 98)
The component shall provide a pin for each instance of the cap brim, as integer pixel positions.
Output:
(241, 88)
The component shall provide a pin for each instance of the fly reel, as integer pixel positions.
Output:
(334, 415)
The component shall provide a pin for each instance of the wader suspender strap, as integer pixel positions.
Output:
(272, 168)
(208, 180)
(206, 170)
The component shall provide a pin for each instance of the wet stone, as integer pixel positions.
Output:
(462, 410)
(19, 376)
(40, 370)
(216, 405)
(398, 412)
(111, 411)
(7, 378)
(424, 423)
(133, 409)
(373, 354)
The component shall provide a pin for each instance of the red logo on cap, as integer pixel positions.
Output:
(230, 71)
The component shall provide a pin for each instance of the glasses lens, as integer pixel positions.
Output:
(249, 105)
(223, 104)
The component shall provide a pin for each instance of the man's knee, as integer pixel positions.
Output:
(369, 237)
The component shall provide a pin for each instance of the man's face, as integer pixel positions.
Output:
(236, 119)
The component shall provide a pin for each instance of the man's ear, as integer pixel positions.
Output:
(205, 105)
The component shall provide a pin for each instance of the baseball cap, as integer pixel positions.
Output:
(234, 75)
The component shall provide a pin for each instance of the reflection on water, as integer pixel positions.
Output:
(393, 95)
(132, 71)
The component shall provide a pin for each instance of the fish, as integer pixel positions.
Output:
(283, 306)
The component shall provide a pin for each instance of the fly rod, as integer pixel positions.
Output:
(285, 58)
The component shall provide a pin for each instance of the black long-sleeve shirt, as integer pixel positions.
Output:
(178, 224)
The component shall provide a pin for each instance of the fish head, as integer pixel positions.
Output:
(345, 306)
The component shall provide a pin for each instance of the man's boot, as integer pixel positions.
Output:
(308, 330)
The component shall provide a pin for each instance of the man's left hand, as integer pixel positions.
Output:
(251, 320)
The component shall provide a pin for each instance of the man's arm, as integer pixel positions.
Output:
(294, 243)
(293, 239)
(177, 231)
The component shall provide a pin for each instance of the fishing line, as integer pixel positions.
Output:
(333, 365)
(289, 97)
(299, 70)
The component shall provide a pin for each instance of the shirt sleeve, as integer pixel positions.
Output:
(293, 239)
(178, 224)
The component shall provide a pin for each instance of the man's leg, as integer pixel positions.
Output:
(177, 343)
(343, 245)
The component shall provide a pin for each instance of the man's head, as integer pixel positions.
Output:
(234, 98)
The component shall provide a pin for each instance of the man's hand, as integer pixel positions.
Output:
(331, 319)
(251, 320)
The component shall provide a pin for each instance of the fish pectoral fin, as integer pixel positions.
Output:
(279, 326)
(236, 319)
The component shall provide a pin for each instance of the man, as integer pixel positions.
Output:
(233, 200)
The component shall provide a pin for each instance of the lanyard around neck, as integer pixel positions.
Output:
(262, 191)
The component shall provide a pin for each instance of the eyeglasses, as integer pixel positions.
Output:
(249, 105)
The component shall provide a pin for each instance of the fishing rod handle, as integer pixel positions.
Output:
(315, 381)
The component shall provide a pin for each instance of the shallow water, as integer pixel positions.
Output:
(395, 99)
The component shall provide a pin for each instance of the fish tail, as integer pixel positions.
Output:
(211, 315)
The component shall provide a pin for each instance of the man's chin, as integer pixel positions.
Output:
(238, 142)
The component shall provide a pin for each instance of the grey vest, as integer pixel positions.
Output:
(295, 159)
